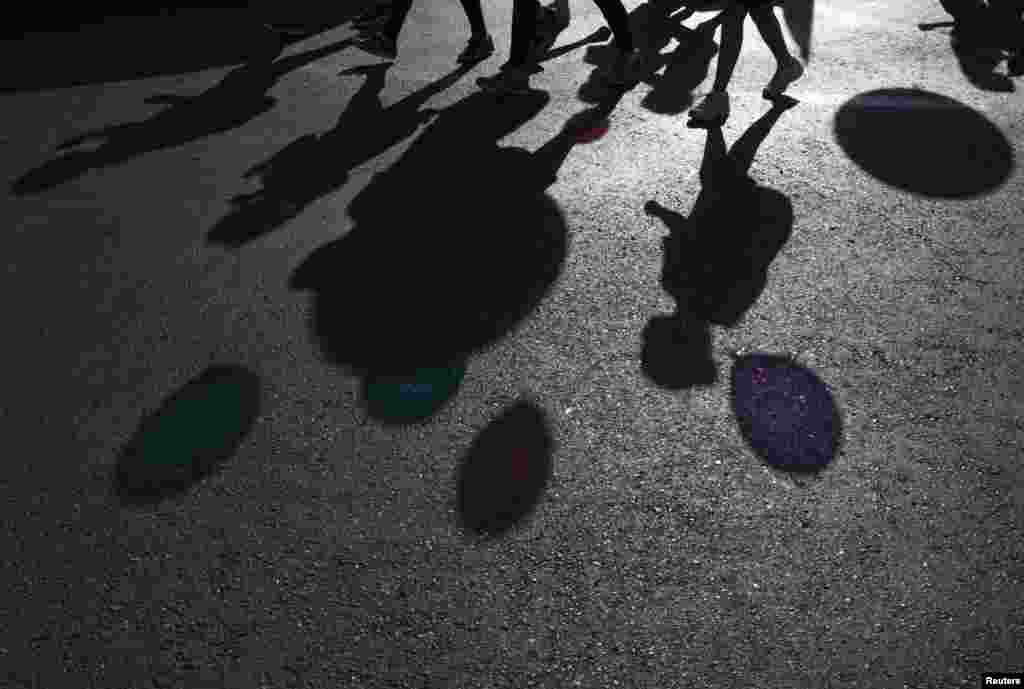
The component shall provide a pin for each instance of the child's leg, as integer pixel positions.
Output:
(732, 42)
(475, 15)
(771, 31)
(617, 18)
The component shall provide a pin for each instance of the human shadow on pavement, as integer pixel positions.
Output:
(924, 143)
(70, 50)
(238, 98)
(502, 477)
(315, 165)
(654, 24)
(452, 248)
(785, 413)
(716, 259)
(189, 437)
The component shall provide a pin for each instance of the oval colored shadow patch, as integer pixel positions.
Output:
(593, 132)
(924, 143)
(193, 432)
(785, 413)
(398, 399)
(503, 476)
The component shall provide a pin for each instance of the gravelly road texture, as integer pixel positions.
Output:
(581, 507)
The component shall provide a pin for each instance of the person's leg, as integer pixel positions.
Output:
(714, 107)
(383, 42)
(617, 18)
(399, 11)
(788, 68)
(515, 75)
(524, 30)
(771, 32)
(475, 15)
(481, 45)
(732, 43)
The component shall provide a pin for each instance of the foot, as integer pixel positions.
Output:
(711, 109)
(785, 75)
(380, 45)
(479, 48)
(513, 81)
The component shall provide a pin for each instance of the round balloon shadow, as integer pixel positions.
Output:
(190, 436)
(504, 474)
(785, 413)
(924, 143)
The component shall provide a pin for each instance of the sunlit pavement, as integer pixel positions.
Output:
(462, 424)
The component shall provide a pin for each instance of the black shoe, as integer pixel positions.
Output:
(479, 48)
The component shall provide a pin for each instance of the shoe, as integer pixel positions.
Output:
(711, 109)
(380, 45)
(510, 82)
(784, 76)
(479, 48)
(625, 70)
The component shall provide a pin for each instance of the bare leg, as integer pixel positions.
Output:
(771, 31)
(732, 42)
(475, 15)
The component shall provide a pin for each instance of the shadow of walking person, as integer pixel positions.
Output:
(654, 25)
(237, 99)
(453, 247)
(313, 166)
(716, 259)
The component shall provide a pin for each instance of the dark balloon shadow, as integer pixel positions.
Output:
(78, 46)
(440, 265)
(238, 98)
(503, 476)
(716, 259)
(924, 143)
(786, 414)
(315, 165)
(194, 432)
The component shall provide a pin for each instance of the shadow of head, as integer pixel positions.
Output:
(189, 437)
(453, 246)
(786, 413)
(503, 476)
(676, 352)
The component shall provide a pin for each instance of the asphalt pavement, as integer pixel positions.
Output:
(328, 372)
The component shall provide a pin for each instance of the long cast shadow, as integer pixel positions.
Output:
(452, 247)
(237, 99)
(313, 166)
(85, 45)
(716, 259)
